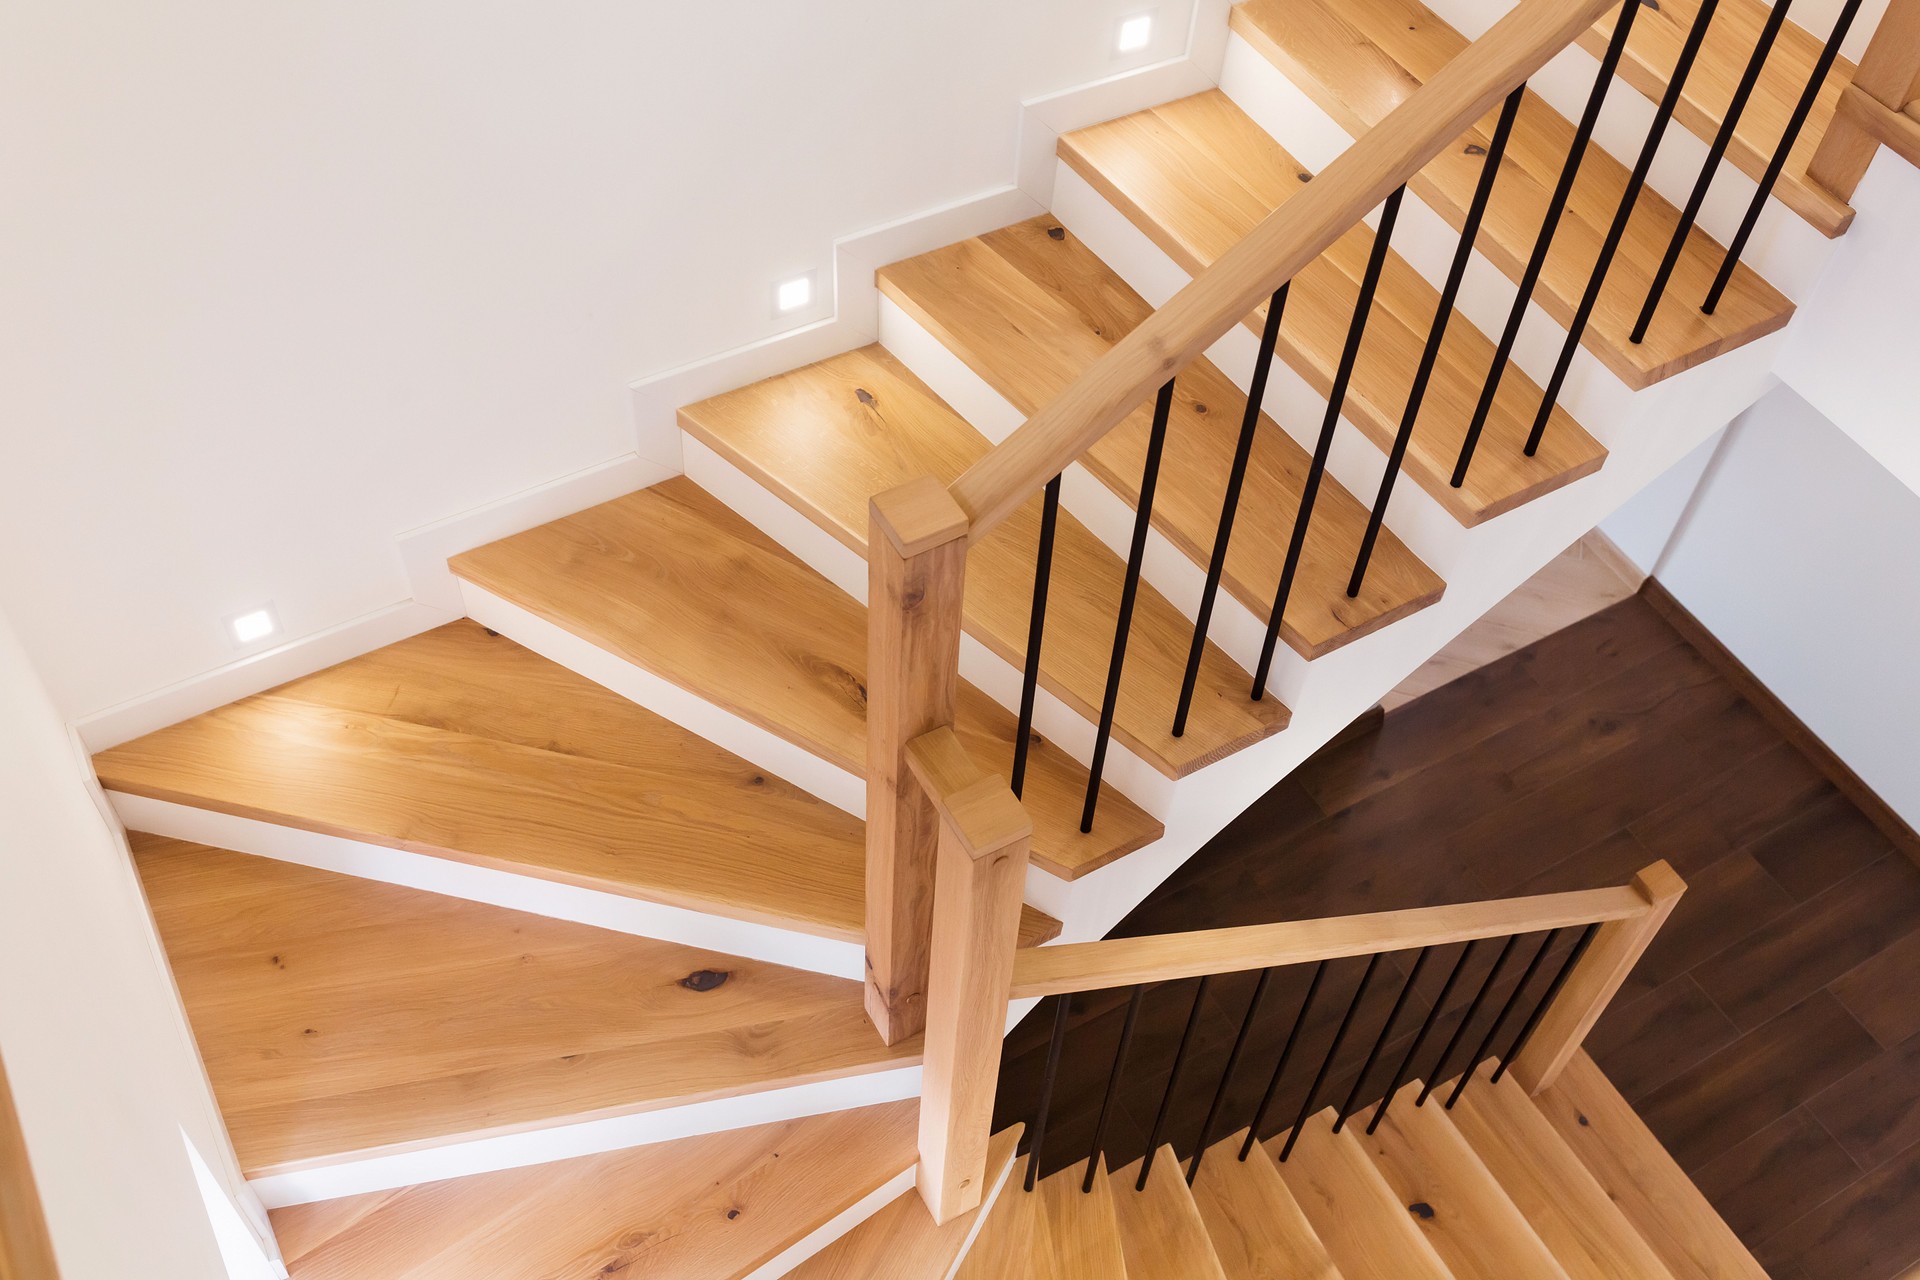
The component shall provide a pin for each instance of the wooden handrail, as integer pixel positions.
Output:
(1123, 962)
(1873, 107)
(26, 1250)
(1426, 123)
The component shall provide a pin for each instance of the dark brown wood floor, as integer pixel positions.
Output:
(1771, 1036)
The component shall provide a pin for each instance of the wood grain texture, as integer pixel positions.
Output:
(671, 580)
(1470, 1221)
(1257, 1229)
(1012, 1244)
(462, 745)
(1653, 48)
(1197, 174)
(1567, 1207)
(26, 1248)
(1659, 1199)
(340, 1016)
(1366, 1229)
(1081, 1228)
(706, 1208)
(1162, 1235)
(1359, 59)
(1029, 308)
(829, 436)
(902, 1241)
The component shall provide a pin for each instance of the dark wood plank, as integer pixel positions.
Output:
(1706, 822)
(1820, 845)
(1641, 1044)
(1773, 1176)
(1883, 993)
(1869, 1232)
(1875, 1112)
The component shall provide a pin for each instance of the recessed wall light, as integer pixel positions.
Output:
(791, 295)
(1136, 33)
(253, 626)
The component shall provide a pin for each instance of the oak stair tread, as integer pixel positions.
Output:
(671, 580)
(1012, 1244)
(1258, 1230)
(1197, 175)
(714, 1207)
(1029, 308)
(1081, 1229)
(828, 437)
(1455, 1201)
(1651, 1189)
(338, 1017)
(1162, 1234)
(1569, 1210)
(461, 744)
(1369, 1233)
(903, 1242)
(1653, 47)
(1358, 59)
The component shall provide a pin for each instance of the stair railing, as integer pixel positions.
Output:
(1572, 951)
(1880, 107)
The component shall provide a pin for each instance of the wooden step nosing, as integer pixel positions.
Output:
(815, 946)
(803, 1249)
(609, 1129)
(774, 747)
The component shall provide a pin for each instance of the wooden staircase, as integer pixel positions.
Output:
(551, 942)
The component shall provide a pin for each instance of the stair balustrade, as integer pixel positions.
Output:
(1881, 106)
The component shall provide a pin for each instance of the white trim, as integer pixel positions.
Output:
(839, 1225)
(784, 759)
(524, 891)
(202, 693)
(424, 551)
(462, 1157)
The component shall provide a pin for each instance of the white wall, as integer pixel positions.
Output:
(284, 281)
(1798, 553)
(102, 1067)
(1851, 351)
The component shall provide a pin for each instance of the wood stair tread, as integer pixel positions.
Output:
(1471, 1222)
(1081, 1228)
(1258, 1230)
(1029, 308)
(1654, 1193)
(714, 1207)
(338, 1016)
(1368, 1232)
(903, 1242)
(1197, 175)
(1359, 58)
(671, 580)
(1570, 1211)
(1653, 48)
(1162, 1235)
(1012, 1244)
(463, 745)
(831, 435)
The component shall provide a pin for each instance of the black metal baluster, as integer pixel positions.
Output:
(1426, 1029)
(1333, 1051)
(1113, 1086)
(1506, 1011)
(1230, 504)
(1123, 624)
(1380, 1042)
(1556, 206)
(1286, 1055)
(1439, 1072)
(1546, 1001)
(1054, 1047)
(1776, 18)
(1617, 229)
(1036, 625)
(1795, 123)
(1436, 334)
(1173, 1082)
(1336, 397)
(1226, 1076)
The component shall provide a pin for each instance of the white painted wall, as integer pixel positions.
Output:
(284, 281)
(1798, 554)
(102, 1065)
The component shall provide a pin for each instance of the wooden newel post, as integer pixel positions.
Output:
(1872, 108)
(983, 848)
(916, 572)
(1616, 948)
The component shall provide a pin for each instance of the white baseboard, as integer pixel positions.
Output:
(381, 1170)
(527, 892)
